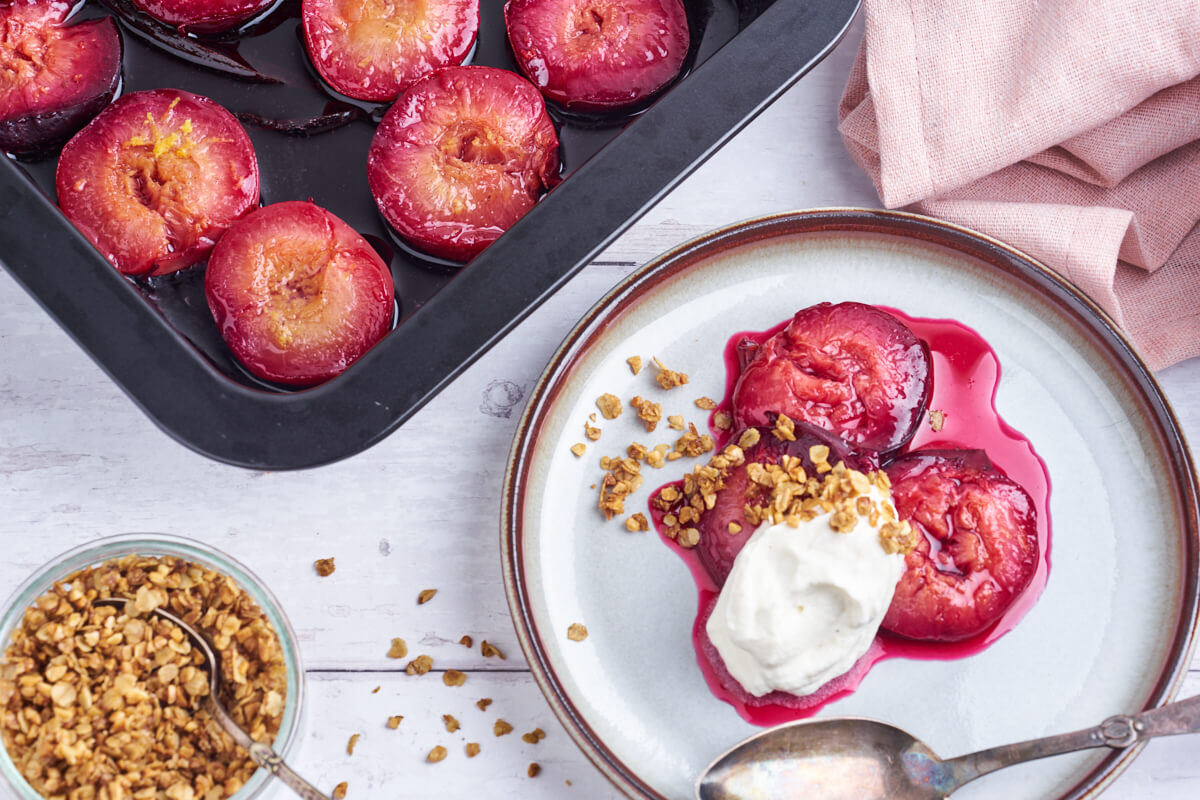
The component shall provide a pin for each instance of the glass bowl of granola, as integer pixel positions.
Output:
(108, 701)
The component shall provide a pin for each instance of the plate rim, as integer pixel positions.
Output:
(846, 220)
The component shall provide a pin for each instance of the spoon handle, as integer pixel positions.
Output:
(272, 762)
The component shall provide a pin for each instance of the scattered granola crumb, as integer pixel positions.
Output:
(635, 364)
(350, 745)
(675, 422)
(534, 770)
(693, 443)
(394, 722)
(569, 782)
(591, 431)
(534, 736)
(489, 650)
(376, 690)
(749, 438)
(722, 421)
(622, 479)
(501, 728)
(785, 429)
(706, 403)
(324, 567)
(425, 596)
(609, 405)
(419, 665)
(484, 703)
(688, 537)
(472, 749)
(937, 420)
(577, 632)
(466, 641)
(398, 650)
(453, 677)
(339, 791)
(648, 412)
(579, 448)
(436, 754)
(450, 722)
(667, 378)
(637, 522)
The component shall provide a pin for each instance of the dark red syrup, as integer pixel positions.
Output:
(966, 373)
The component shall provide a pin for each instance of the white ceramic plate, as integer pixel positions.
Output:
(1112, 632)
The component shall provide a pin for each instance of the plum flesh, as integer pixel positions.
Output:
(979, 548)
(850, 368)
(298, 294)
(461, 156)
(598, 55)
(156, 178)
(374, 50)
(54, 77)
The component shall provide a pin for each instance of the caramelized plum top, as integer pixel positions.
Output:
(850, 368)
(297, 293)
(598, 55)
(460, 157)
(53, 77)
(203, 16)
(156, 179)
(375, 49)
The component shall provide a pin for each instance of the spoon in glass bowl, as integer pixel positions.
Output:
(262, 755)
(852, 758)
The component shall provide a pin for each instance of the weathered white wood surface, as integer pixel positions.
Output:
(79, 460)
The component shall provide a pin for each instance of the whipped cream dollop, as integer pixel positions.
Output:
(802, 604)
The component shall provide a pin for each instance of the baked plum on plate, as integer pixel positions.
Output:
(297, 293)
(850, 368)
(203, 16)
(460, 157)
(374, 50)
(54, 77)
(156, 178)
(979, 548)
(719, 544)
(598, 55)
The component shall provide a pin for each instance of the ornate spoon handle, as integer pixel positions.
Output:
(264, 756)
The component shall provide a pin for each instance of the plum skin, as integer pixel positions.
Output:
(32, 118)
(298, 295)
(156, 178)
(203, 16)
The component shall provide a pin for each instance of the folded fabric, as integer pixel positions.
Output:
(1070, 130)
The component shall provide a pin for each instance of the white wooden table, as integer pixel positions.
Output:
(79, 460)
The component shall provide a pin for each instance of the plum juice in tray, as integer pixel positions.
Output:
(156, 337)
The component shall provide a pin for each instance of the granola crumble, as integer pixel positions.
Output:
(609, 405)
(466, 641)
(450, 722)
(419, 665)
(937, 420)
(324, 567)
(350, 745)
(637, 522)
(534, 736)
(534, 770)
(676, 422)
(591, 431)
(436, 754)
(483, 703)
(453, 677)
(668, 379)
(577, 632)
(579, 448)
(339, 791)
(472, 749)
(489, 650)
(648, 412)
(425, 596)
(501, 728)
(398, 649)
(706, 403)
(394, 721)
(635, 364)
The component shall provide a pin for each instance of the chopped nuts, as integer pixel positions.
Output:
(398, 649)
(649, 413)
(450, 722)
(501, 728)
(534, 736)
(109, 702)
(484, 703)
(339, 791)
(577, 632)
(534, 770)
(394, 722)
(436, 754)
(489, 650)
(324, 567)
(472, 749)
(609, 405)
(350, 745)
(425, 596)
(637, 522)
(937, 420)
(669, 379)
(579, 448)
(419, 665)
(466, 641)
(453, 677)
(635, 364)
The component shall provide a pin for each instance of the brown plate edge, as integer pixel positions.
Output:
(1089, 318)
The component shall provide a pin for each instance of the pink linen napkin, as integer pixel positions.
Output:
(1069, 129)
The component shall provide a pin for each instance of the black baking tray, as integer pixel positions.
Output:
(157, 341)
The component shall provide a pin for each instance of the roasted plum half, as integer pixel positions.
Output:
(460, 157)
(850, 368)
(297, 293)
(374, 50)
(203, 16)
(979, 549)
(723, 528)
(598, 55)
(156, 178)
(54, 77)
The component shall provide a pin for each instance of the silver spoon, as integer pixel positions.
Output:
(852, 758)
(261, 754)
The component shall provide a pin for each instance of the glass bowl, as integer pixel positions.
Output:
(159, 544)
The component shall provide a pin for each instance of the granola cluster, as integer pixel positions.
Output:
(105, 703)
